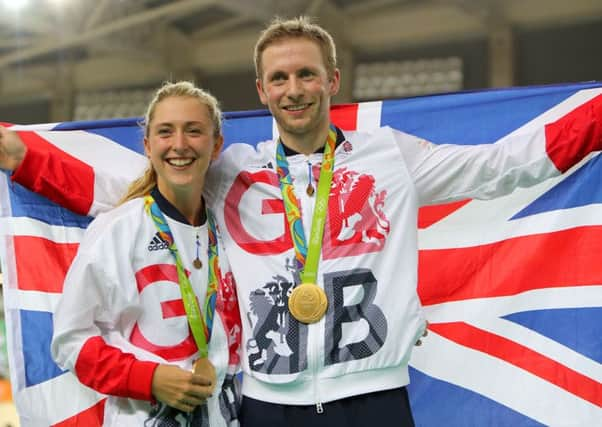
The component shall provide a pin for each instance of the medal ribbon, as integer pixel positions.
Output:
(307, 257)
(201, 328)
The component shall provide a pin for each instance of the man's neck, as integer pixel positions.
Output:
(306, 143)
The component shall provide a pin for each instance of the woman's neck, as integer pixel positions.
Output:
(189, 203)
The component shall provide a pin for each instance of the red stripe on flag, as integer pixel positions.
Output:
(41, 263)
(429, 215)
(57, 175)
(564, 258)
(91, 417)
(344, 116)
(522, 357)
(575, 135)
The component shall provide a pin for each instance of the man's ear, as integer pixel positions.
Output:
(262, 96)
(335, 82)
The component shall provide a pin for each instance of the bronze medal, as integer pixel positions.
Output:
(205, 369)
(197, 263)
(308, 303)
(310, 190)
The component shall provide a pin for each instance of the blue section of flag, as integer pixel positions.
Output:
(439, 403)
(249, 127)
(580, 189)
(470, 118)
(25, 203)
(577, 328)
(36, 335)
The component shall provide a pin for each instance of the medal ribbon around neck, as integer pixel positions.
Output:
(307, 256)
(201, 328)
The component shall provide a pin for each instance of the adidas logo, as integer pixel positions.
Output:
(157, 243)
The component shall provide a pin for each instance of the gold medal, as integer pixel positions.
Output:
(197, 263)
(308, 303)
(205, 369)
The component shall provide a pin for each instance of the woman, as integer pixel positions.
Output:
(137, 313)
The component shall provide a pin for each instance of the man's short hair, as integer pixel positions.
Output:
(299, 27)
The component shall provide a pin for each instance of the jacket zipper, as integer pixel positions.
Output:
(314, 372)
(313, 363)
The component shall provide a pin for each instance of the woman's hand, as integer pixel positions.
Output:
(179, 388)
(12, 149)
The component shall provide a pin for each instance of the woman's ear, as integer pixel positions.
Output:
(217, 148)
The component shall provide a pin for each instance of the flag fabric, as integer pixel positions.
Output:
(512, 287)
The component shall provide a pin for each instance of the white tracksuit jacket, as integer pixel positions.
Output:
(121, 315)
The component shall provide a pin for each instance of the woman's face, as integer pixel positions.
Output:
(181, 143)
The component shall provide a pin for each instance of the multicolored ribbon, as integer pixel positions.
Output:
(201, 328)
(307, 257)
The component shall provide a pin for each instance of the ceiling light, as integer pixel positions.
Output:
(14, 5)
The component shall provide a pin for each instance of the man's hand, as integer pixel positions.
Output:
(12, 149)
(180, 389)
(424, 334)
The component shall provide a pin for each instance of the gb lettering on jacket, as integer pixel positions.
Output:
(356, 226)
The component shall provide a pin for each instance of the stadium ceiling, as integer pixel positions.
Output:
(95, 44)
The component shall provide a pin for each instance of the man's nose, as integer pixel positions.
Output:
(294, 87)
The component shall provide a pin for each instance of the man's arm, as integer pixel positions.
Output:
(445, 172)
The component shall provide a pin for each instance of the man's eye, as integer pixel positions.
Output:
(306, 74)
(164, 131)
(195, 131)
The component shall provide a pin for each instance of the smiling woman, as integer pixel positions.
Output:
(147, 265)
(181, 141)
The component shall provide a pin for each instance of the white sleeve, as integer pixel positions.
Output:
(443, 173)
(91, 296)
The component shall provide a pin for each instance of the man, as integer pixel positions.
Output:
(320, 229)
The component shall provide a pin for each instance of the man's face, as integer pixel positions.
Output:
(295, 86)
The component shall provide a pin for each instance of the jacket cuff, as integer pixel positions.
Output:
(27, 172)
(140, 380)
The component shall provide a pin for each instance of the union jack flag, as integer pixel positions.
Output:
(511, 287)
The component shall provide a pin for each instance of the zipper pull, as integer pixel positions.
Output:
(319, 408)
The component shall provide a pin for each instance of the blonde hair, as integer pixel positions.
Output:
(143, 185)
(299, 27)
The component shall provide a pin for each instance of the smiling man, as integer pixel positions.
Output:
(295, 83)
(321, 229)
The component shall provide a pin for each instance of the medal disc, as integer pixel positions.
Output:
(205, 368)
(197, 263)
(310, 190)
(308, 303)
